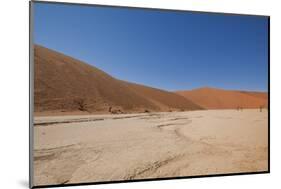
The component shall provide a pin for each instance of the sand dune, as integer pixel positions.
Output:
(261, 95)
(165, 141)
(90, 148)
(212, 98)
(64, 84)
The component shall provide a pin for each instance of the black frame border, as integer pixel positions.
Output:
(31, 63)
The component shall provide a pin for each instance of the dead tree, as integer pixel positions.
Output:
(146, 111)
(81, 104)
(260, 109)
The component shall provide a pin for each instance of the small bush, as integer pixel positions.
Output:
(81, 104)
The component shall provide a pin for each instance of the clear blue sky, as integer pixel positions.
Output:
(167, 50)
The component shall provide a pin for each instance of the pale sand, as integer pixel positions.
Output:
(75, 149)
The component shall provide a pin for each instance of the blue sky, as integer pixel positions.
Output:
(163, 49)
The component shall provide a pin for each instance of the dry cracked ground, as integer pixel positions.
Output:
(93, 148)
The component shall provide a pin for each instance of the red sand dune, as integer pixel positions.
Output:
(64, 84)
(211, 98)
(262, 95)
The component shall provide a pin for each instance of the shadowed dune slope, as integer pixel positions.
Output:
(64, 84)
(211, 98)
(165, 100)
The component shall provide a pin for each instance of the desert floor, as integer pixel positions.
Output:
(91, 148)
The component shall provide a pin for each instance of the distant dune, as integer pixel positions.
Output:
(212, 98)
(261, 95)
(64, 84)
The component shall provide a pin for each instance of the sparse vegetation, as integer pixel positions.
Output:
(117, 111)
(239, 108)
(80, 102)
